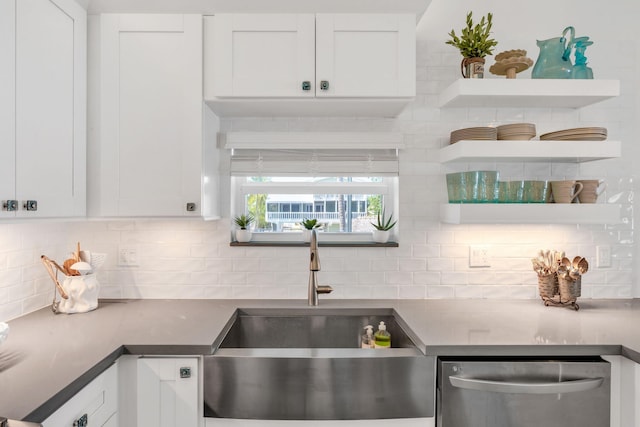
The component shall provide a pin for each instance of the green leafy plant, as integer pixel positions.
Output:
(243, 221)
(310, 224)
(474, 42)
(383, 223)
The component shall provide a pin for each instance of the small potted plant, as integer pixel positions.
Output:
(308, 225)
(383, 227)
(474, 44)
(243, 234)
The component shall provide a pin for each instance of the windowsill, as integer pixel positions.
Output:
(325, 244)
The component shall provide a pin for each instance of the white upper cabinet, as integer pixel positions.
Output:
(266, 55)
(146, 115)
(42, 108)
(365, 55)
(279, 64)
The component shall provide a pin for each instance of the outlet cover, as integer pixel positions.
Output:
(603, 256)
(128, 256)
(479, 256)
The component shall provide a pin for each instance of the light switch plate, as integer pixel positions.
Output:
(603, 256)
(479, 256)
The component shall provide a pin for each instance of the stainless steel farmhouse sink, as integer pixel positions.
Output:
(307, 364)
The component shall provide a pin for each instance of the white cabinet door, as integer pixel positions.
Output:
(260, 55)
(365, 55)
(625, 391)
(7, 103)
(43, 91)
(271, 55)
(96, 403)
(146, 154)
(166, 396)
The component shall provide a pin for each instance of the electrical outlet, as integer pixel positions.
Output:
(603, 256)
(479, 256)
(128, 256)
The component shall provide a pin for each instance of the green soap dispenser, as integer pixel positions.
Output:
(367, 338)
(382, 338)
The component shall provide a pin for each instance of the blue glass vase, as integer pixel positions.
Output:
(553, 61)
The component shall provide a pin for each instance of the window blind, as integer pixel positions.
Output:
(316, 162)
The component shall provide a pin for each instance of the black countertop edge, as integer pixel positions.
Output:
(41, 413)
(167, 350)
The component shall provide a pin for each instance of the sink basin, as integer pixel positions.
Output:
(307, 364)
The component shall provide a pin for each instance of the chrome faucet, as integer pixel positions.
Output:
(314, 267)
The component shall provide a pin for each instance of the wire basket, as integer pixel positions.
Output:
(570, 289)
(548, 285)
(559, 291)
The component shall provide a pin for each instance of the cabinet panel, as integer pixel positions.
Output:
(261, 55)
(7, 102)
(165, 399)
(365, 55)
(98, 400)
(288, 64)
(150, 141)
(45, 45)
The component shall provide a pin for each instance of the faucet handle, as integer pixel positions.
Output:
(324, 289)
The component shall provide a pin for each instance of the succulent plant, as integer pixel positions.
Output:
(310, 224)
(384, 223)
(474, 42)
(243, 221)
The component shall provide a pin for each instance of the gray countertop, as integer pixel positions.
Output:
(48, 357)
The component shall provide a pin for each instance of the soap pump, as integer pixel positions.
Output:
(382, 338)
(367, 338)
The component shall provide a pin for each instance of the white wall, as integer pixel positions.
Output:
(192, 258)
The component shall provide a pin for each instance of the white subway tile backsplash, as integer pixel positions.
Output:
(190, 258)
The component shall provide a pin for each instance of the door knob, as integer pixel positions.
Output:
(10, 205)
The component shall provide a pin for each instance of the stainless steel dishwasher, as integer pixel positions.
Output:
(524, 392)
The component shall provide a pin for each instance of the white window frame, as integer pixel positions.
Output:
(367, 144)
(388, 188)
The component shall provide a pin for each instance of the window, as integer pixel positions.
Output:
(343, 188)
(342, 205)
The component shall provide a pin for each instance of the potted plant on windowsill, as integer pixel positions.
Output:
(383, 227)
(243, 234)
(474, 44)
(308, 225)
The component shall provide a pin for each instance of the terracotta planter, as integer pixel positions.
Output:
(243, 236)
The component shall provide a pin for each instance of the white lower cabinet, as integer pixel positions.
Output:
(625, 391)
(159, 392)
(96, 404)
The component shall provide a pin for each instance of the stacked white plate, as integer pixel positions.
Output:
(576, 134)
(517, 131)
(479, 133)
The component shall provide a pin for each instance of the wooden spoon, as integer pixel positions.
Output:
(67, 267)
(76, 255)
(583, 266)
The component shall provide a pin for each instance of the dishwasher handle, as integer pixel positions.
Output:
(526, 387)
